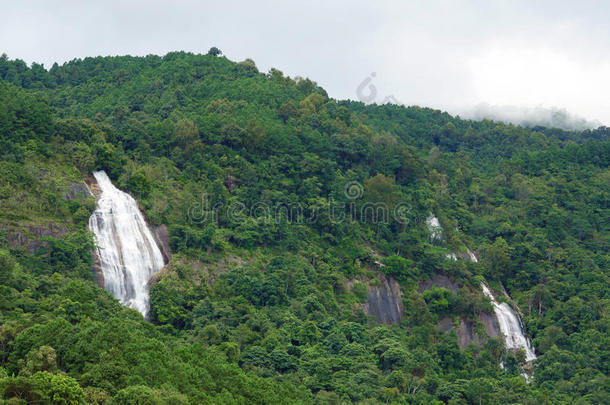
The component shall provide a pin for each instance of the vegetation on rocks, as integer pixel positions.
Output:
(275, 196)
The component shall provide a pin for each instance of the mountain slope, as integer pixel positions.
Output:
(270, 191)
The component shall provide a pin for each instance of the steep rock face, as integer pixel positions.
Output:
(438, 281)
(28, 236)
(97, 269)
(161, 235)
(76, 191)
(492, 328)
(444, 324)
(467, 335)
(384, 301)
(465, 329)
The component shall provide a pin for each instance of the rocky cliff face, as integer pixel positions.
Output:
(28, 236)
(438, 281)
(492, 328)
(466, 333)
(76, 191)
(161, 235)
(384, 301)
(465, 328)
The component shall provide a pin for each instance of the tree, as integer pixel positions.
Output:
(287, 110)
(42, 359)
(255, 136)
(83, 158)
(480, 390)
(398, 266)
(248, 65)
(7, 267)
(539, 298)
(214, 51)
(498, 258)
(44, 387)
(186, 132)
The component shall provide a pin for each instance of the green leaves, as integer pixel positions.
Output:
(267, 292)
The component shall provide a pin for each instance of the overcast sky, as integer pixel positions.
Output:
(452, 55)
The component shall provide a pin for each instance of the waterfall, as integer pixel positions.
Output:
(510, 325)
(126, 249)
(471, 255)
(434, 227)
(508, 320)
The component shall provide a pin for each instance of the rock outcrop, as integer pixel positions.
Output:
(467, 335)
(438, 281)
(161, 235)
(28, 236)
(77, 191)
(492, 328)
(384, 301)
(465, 329)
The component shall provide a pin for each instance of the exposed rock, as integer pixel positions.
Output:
(230, 182)
(438, 281)
(77, 191)
(466, 334)
(384, 302)
(201, 272)
(97, 269)
(444, 324)
(468, 256)
(465, 331)
(222, 266)
(93, 188)
(492, 328)
(28, 236)
(161, 235)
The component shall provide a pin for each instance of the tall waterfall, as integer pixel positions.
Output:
(510, 325)
(509, 321)
(126, 248)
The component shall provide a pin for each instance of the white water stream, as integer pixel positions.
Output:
(510, 326)
(126, 248)
(508, 320)
(435, 228)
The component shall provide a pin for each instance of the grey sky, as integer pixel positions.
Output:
(451, 55)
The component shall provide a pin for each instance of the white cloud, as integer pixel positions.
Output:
(451, 55)
(541, 78)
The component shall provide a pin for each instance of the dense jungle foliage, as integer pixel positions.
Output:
(264, 182)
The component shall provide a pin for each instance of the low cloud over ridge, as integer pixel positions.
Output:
(530, 116)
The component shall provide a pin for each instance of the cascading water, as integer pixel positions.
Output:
(510, 325)
(126, 248)
(435, 228)
(508, 320)
(471, 255)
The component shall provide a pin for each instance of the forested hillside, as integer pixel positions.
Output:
(266, 184)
